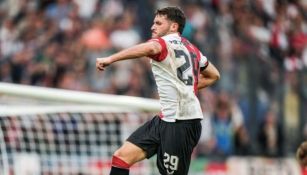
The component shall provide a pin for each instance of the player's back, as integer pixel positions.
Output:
(176, 72)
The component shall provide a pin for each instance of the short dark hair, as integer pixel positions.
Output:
(174, 14)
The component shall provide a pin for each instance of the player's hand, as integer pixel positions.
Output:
(102, 63)
(301, 154)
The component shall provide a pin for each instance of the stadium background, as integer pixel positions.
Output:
(259, 106)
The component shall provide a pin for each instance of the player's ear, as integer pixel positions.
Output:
(174, 27)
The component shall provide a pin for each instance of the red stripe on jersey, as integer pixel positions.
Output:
(162, 55)
(198, 69)
(192, 49)
(197, 53)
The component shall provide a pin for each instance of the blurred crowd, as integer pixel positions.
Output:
(260, 47)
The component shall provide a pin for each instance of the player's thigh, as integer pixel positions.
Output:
(177, 143)
(141, 144)
(130, 153)
(147, 137)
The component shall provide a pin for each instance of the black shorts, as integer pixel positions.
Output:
(173, 142)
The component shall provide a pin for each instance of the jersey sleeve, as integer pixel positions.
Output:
(203, 62)
(162, 55)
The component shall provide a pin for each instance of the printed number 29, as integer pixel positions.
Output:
(170, 162)
(182, 69)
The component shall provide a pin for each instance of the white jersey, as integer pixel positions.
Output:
(176, 71)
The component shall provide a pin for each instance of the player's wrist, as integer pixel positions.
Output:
(110, 60)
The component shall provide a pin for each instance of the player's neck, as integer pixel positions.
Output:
(173, 33)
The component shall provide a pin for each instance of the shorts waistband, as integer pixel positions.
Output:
(182, 121)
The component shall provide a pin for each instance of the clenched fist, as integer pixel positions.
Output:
(301, 154)
(102, 63)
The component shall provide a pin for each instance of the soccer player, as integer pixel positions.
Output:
(180, 69)
(301, 154)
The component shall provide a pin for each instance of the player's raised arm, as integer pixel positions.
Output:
(137, 51)
(208, 76)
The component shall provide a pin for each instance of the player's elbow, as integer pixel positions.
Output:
(211, 73)
(216, 76)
